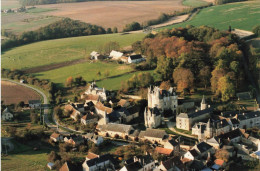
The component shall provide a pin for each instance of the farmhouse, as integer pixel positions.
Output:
(102, 110)
(123, 103)
(135, 59)
(104, 162)
(89, 118)
(34, 103)
(96, 139)
(96, 56)
(90, 98)
(7, 115)
(67, 166)
(115, 55)
(74, 140)
(173, 163)
(56, 137)
(114, 130)
(74, 114)
(95, 90)
(123, 115)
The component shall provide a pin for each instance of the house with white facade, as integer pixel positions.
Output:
(135, 59)
(113, 130)
(96, 139)
(6, 115)
(103, 162)
(115, 55)
(154, 136)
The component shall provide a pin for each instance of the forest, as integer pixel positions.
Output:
(194, 57)
(59, 29)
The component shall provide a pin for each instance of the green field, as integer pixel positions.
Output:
(87, 70)
(244, 15)
(194, 3)
(60, 50)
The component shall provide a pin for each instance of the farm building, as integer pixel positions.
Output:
(34, 103)
(7, 115)
(135, 59)
(115, 55)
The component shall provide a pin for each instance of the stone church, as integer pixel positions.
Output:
(158, 101)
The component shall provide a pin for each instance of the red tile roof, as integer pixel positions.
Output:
(164, 151)
(91, 156)
(100, 106)
(219, 162)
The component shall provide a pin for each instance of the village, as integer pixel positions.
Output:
(217, 138)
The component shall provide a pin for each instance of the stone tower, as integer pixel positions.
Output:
(203, 104)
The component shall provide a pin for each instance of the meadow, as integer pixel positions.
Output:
(61, 50)
(194, 3)
(87, 70)
(243, 15)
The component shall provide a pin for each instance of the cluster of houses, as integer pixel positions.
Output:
(118, 56)
(220, 132)
(16, 10)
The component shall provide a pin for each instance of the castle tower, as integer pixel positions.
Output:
(203, 104)
(209, 130)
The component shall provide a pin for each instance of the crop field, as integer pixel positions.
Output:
(243, 15)
(87, 70)
(7, 4)
(61, 50)
(114, 13)
(12, 93)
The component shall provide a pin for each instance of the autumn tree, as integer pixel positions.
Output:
(53, 156)
(225, 88)
(164, 68)
(183, 78)
(115, 30)
(165, 85)
(222, 154)
(69, 81)
(205, 75)
(216, 75)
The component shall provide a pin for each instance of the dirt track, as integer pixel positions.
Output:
(114, 13)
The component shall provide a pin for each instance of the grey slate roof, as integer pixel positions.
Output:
(134, 57)
(232, 134)
(249, 115)
(202, 147)
(155, 133)
(195, 114)
(133, 166)
(116, 127)
(100, 159)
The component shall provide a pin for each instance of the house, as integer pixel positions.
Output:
(102, 162)
(114, 130)
(249, 120)
(95, 90)
(91, 156)
(22, 81)
(96, 56)
(56, 137)
(124, 59)
(74, 140)
(67, 166)
(232, 136)
(7, 115)
(79, 107)
(89, 118)
(171, 164)
(191, 154)
(102, 110)
(115, 55)
(244, 155)
(211, 128)
(96, 139)
(186, 121)
(90, 98)
(50, 165)
(214, 141)
(34, 103)
(173, 145)
(135, 166)
(203, 149)
(219, 164)
(164, 151)
(74, 114)
(123, 103)
(135, 59)
(154, 135)
(230, 150)
(145, 162)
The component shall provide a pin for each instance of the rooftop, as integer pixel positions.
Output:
(115, 127)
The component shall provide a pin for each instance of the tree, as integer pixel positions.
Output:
(109, 30)
(109, 46)
(94, 149)
(98, 73)
(216, 75)
(183, 78)
(165, 85)
(69, 81)
(11, 131)
(222, 154)
(34, 117)
(256, 30)
(225, 88)
(132, 27)
(205, 75)
(58, 113)
(78, 81)
(53, 156)
(21, 104)
(115, 30)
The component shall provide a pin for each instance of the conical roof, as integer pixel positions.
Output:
(203, 100)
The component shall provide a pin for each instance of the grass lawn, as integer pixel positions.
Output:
(60, 50)
(194, 3)
(87, 70)
(242, 15)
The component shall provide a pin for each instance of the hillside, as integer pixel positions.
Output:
(243, 15)
(61, 50)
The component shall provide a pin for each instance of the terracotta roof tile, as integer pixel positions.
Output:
(100, 106)
(163, 150)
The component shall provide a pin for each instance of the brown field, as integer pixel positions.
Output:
(114, 13)
(12, 93)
